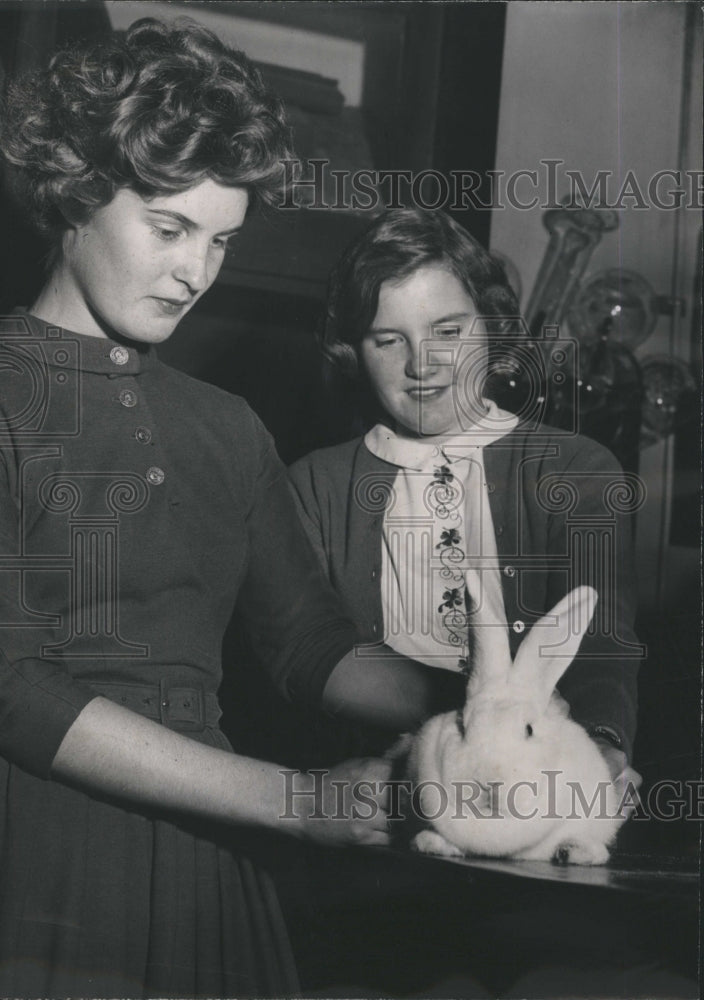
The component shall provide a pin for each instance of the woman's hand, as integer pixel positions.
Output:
(624, 778)
(345, 806)
(111, 750)
(617, 761)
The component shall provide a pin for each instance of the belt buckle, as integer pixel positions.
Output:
(182, 708)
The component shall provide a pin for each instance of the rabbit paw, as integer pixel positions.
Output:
(575, 853)
(430, 842)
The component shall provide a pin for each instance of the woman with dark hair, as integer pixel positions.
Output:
(397, 244)
(137, 507)
(400, 243)
(419, 314)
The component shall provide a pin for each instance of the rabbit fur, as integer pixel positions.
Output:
(507, 759)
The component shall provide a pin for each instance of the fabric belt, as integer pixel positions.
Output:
(188, 709)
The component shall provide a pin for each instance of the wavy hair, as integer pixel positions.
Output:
(158, 110)
(396, 244)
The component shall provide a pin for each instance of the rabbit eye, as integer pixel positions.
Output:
(529, 730)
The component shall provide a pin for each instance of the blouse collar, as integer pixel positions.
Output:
(408, 452)
(66, 349)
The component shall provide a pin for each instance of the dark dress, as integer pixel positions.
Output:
(137, 507)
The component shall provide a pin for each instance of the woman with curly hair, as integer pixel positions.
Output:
(420, 318)
(137, 507)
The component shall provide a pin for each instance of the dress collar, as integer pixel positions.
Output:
(418, 453)
(68, 350)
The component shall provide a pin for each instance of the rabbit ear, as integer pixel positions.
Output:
(491, 653)
(552, 643)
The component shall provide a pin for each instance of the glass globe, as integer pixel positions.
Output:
(616, 304)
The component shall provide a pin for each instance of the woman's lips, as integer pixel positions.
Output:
(427, 392)
(171, 307)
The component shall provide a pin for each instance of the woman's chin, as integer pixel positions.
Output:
(439, 424)
(428, 428)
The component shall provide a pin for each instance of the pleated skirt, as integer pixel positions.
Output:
(101, 901)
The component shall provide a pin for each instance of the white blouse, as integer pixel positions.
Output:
(437, 524)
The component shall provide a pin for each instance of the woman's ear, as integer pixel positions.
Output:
(73, 212)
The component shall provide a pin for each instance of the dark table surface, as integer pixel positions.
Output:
(648, 873)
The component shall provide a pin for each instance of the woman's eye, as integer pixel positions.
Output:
(385, 339)
(223, 243)
(167, 235)
(446, 331)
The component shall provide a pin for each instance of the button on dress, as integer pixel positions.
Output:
(137, 508)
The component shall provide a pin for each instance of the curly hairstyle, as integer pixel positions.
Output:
(396, 244)
(157, 110)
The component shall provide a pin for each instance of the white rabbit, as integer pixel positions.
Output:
(513, 752)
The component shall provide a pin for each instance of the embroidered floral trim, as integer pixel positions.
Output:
(443, 475)
(446, 498)
(442, 497)
(450, 536)
(452, 599)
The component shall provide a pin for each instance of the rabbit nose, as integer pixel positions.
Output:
(486, 798)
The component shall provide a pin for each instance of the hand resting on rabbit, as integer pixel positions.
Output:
(511, 775)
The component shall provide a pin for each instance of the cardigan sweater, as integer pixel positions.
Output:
(560, 506)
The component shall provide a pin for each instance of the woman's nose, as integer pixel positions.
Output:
(419, 362)
(192, 269)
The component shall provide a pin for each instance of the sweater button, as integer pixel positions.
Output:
(128, 398)
(155, 475)
(143, 435)
(509, 571)
(119, 356)
(519, 626)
